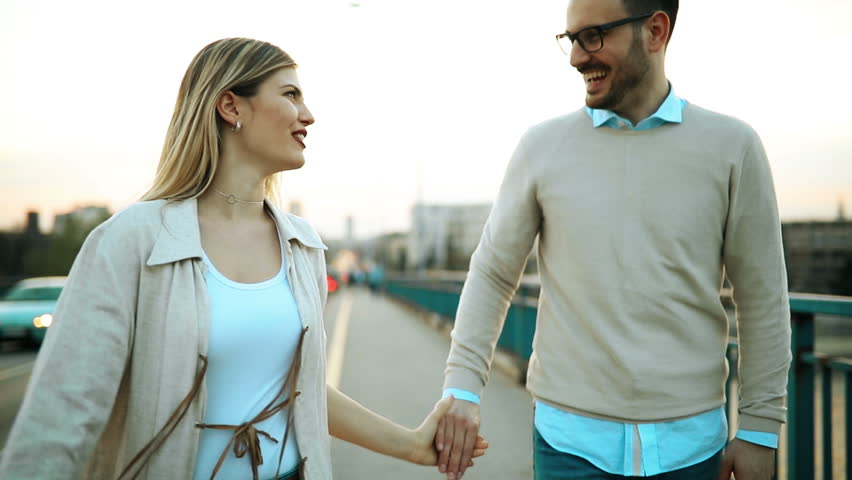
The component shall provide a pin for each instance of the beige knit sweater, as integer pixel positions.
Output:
(637, 230)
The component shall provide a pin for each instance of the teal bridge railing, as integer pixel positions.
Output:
(440, 295)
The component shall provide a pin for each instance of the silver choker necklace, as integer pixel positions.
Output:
(232, 199)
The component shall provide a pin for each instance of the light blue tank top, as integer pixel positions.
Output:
(254, 332)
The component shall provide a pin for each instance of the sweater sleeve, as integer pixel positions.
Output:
(495, 271)
(754, 263)
(79, 367)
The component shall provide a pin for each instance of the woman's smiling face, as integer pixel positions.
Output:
(274, 124)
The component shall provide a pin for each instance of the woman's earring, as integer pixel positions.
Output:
(236, 128)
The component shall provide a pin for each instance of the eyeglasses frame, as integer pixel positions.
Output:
(601, 29)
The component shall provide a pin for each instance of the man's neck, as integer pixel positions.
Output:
(647, 101)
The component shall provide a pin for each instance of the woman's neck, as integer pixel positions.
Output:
(232, 200)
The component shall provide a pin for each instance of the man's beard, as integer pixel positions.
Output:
(630, 76)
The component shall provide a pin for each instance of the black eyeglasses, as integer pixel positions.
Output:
(591, 38)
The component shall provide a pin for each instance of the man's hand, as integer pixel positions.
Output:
(747, 461)
(456, 437)
(425, 452)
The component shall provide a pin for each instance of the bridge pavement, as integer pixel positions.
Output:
(393, 363)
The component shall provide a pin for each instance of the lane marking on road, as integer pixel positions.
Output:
(337, 345)
(16, 371)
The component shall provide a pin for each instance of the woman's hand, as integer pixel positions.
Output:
(351, 422)
(425, 452)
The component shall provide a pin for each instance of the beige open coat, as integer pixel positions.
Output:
(125, 347)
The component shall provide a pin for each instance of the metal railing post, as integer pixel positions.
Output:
(827, 466)
(732, 354)
(847, 381)
(520, 338)
(800, 401)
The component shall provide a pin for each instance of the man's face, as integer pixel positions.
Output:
(614, 74)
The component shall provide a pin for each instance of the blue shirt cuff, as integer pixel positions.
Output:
(462, 395)
(760, 438)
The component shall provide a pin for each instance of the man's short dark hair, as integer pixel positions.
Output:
(640, 7)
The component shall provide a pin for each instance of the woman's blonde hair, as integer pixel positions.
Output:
(190, 154)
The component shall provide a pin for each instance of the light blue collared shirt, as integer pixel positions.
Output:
(630, 449)
(670, 111)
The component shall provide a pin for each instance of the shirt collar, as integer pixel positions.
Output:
(670, 111)
(180, 236)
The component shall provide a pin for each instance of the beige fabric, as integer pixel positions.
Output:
(124, 350)
(636, 231)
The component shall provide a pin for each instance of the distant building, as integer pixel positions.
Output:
(389, 250)
(444, 236)
(83, 216)
(32, 229)
(817, 254)
(14, 247)
(32, 253)
(350, 229)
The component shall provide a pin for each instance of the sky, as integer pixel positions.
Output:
(413, 100)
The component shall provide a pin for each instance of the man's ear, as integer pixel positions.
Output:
(227, 108)
(658, 31)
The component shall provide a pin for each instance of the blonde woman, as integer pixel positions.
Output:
(188, 342)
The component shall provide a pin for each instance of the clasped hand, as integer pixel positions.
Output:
(457, 439)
